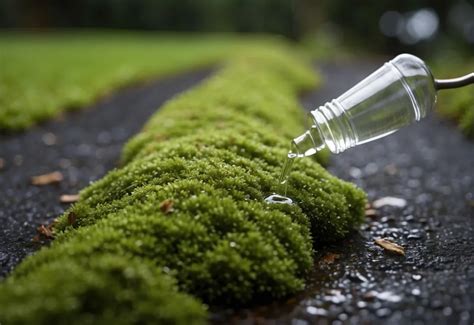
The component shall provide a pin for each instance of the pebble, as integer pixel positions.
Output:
(49, 139)
(390, 201)
(316, 311)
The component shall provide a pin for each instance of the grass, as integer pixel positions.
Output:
(44, 74)
(184, 216)
(457, 104)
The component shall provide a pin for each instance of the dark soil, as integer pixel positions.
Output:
(82, 145)
(430, 165)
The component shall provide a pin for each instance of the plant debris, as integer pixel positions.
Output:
(44, 232)
(166, 206)
(71, 218)
(391, 201)
(330, 258)
(69, 198)
(45, 179)
(49, 139)
(2, 163)
(390, 246)
(371, 213)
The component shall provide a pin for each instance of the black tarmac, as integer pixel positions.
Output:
(429, 166)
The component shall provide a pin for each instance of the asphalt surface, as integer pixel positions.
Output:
(82, 145)
(428, 165)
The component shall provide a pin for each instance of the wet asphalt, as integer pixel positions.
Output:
(428, 165)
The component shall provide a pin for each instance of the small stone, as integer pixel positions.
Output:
(4, 258)
(383, 312)
(355, 172)
(316, 311)
(391, 169)
(355, 276)
(390, 201)
(389, 296)
(18, 160)
(416, 292)
(49, 139)
(416, 277)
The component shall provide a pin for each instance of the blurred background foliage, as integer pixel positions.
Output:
(383, 26)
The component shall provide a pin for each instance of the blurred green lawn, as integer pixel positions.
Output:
(43, 74)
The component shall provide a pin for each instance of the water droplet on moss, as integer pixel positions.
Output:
(278, 199)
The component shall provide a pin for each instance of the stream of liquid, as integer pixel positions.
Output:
(285, 174)
(283, 181)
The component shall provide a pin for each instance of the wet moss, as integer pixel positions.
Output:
(210, 156)
(106, 289)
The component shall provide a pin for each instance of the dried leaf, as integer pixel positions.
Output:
(330, 258)
(71, 218)
(166, 206)
(390, 246)
(371, 213)
(69, 198)
(45, 231)
(2, 163)
(54, 177)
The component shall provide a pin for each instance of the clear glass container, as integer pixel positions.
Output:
(399, 93)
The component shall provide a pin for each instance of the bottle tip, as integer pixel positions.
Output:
(304, 145)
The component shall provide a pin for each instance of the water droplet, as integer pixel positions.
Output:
(416, 292)
(389, 296)
(278, 199)
(383, 312)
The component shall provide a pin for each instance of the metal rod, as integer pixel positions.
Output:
(455, 82)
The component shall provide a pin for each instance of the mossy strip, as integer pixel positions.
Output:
(210, 156)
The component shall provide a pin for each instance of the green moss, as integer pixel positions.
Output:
(106, 289)
(72, 69)
(215, 152)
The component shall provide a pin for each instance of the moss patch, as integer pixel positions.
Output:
(71, 69)
(188, 203)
